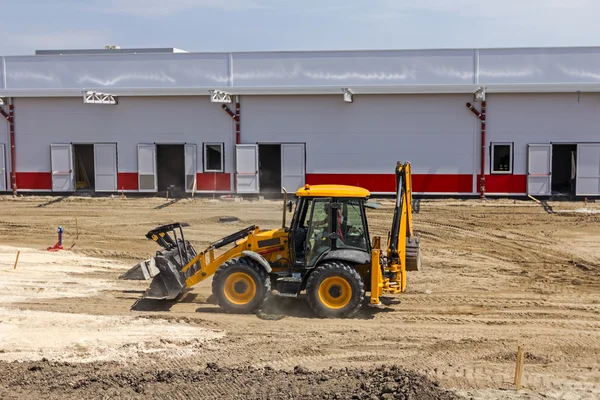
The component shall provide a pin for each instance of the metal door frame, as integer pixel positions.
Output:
(303, 160)
(3, 168)
(549, 176)
(235, 169)
(577, 168)
(72, 166)
(116, 166)
(185, 172)
(155, 189)
(281, 154)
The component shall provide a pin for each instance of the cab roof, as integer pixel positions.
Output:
(332, 191)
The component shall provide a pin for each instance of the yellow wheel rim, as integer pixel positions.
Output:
(239, 288)
(335, 292)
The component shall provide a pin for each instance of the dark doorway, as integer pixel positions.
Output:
(84, 166)
(170, 166)
(269, 168)
(564, 160)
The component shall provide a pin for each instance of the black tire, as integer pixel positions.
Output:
(251, 270)
(353, 281)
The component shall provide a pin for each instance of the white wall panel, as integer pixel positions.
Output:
(435, 133)
(41, 122)
(117, 71)
(543, 65)
(354, 68)
(573, 66)
(541, 118)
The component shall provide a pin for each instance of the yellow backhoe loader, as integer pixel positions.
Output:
(325, 252)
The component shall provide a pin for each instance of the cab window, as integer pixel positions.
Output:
(350, 226)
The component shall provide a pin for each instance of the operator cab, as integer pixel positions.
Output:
(329, 218)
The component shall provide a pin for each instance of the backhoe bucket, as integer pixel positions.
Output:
(413, 254)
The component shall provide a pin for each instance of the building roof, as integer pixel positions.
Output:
(137, 73)
(332, 191)
(115, 50)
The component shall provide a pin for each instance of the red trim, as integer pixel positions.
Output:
(216, 181)
(127, 181)
(387, 182)
(505, 183)
(34, 180)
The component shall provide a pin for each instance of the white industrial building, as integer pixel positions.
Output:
(146, 120)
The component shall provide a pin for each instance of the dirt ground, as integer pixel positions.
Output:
(497, 274)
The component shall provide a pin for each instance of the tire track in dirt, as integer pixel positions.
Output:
(447, 320)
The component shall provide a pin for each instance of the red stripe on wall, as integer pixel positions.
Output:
(213, 181)
(387, 182)
(504, 183)
(127, 181)
(34, 180)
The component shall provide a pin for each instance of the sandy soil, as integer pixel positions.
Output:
(497, 274)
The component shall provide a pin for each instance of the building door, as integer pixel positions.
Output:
(246, 168)
(588, 169)
(2, 169)
(61, 160)
(191, 168)
(269, 168)
(147, 168)
(293, 166)
(105, 167)
(539, 169)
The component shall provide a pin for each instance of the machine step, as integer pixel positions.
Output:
(294, 295)
(289, 286)
(289, 279)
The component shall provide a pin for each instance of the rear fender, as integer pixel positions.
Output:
(259, 259)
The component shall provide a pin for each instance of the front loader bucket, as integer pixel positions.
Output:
(413, 254)
(168, 283)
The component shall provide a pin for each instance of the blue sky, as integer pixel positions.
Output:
(254, 25)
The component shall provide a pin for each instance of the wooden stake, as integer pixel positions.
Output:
(76, 228)
(17, 260)
(519, 367)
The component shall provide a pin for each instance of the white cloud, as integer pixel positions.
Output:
(158, 8)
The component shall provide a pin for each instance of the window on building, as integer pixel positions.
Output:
(213, 157)
(502, 155)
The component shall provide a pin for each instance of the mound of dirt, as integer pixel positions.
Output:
(64, 380)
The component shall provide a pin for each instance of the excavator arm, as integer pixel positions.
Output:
(388, 268)
(402, 219)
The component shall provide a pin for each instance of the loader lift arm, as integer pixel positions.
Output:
(191, 268)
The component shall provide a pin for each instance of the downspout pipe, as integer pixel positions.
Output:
(10, 117)
(481, 116)
(236, 118)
